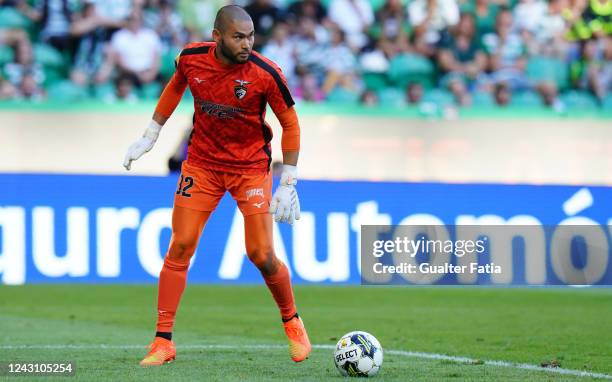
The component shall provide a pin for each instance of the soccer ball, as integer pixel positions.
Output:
(358, 354)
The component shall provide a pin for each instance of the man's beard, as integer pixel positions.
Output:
(229, 55)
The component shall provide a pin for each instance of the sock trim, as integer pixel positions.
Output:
(290, 318)
(165, 335)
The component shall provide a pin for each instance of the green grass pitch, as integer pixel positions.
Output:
(222, 331)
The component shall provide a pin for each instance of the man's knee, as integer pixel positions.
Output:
(264, 259)
(181, 248)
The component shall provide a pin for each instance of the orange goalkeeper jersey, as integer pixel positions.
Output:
(230, 132)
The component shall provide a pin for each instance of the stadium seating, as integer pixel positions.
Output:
(526, 99)
(579, 100)
(54, 64)
(483, 99)
(10, 18)
(103, 91)
(389, 85)
(607, 102)
(440, 97)
(6, 55)
(407, 68)
(375, 81)
(151, 91)
(392, 96)
(548, 69)
(66, 92)
(342, 96)
(167, 63)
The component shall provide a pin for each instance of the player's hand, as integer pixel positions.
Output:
(142, 145)
(285, 205)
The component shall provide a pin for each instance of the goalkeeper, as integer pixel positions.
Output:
(229, 150)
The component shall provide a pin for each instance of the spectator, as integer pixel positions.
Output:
(265, 15)
(30, 88)
(368, 98)
(393, 37)
(541, 26)
(163, 19)
(15, 38)
(506, 53)
(308, 88)
(134, 51)
(573, 18)
(340, 64)
(24, 66)
(598, 16)
(7, 90)
(354, 17)
(549, 32)
(414, 93)
(484, 12)
(307, 8)
(461, 60)
(528, 14)
(502, 94)
(91, 29)
(282, 51)
(507, 56)
(54, 18)
(318, 51)
(603, 75)
(123, 90)
(588, 19)
(593, 72)
(430, 19)
(309, 39)
(117, 11)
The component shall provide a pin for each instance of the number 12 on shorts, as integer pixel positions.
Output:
(184, 185)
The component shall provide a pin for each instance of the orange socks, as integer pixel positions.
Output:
(280, 287)
(172, 280)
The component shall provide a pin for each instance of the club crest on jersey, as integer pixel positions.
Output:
(240, 90)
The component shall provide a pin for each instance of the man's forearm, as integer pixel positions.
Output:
(290, 157)
(160, 118)
(169, 100)
(290, 141)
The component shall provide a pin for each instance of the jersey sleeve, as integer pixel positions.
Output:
(290, 140)
(277, 91)
(171, 96)
(173, 92)
(178, 74)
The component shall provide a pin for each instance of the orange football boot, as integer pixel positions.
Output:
(162, 351)
(299, 344)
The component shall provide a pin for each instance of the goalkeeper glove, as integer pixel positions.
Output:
(285, 204)
(142, 145)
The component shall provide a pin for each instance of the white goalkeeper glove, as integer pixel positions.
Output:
(285, 205)
(142, 145)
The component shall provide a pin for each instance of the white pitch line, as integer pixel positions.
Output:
(522, 366)
(404, 353)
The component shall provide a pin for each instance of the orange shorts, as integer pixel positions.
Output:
(201, 189)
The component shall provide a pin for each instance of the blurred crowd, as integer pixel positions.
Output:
(391, 52)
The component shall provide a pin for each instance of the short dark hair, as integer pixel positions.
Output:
(230, 13)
